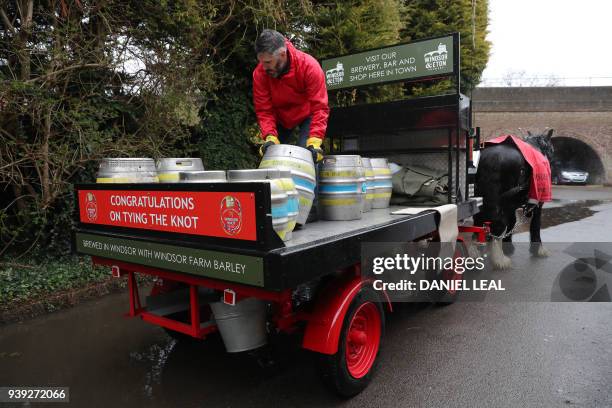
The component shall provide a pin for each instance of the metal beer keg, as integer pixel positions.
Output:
(299, 161)
(127, 170)
(280, 212)
(382, 183)
(342, 187)
(172, 169)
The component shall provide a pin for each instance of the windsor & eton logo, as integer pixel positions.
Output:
(335, 76)
(438, 59)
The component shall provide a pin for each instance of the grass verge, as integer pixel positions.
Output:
(29, 289)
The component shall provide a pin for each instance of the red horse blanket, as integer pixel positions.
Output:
(541, 185)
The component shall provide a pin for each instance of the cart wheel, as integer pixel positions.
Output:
(349, 371)
(448, 297)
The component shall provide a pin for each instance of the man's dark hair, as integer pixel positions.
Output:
(269, 41)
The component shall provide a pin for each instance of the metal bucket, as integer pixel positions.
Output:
(210, 176)
(242, 326)
(293, 200)
(172, 169)
(299, 161)
(127, 170)
(382, 183)
(342, 187)
(280, 210)
(369, 176)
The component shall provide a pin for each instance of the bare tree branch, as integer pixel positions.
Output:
(7, 22)
(30, 14)
(43, 78)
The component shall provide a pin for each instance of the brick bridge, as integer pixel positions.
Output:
(581, 117)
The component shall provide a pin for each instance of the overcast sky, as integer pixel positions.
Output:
(561, 38)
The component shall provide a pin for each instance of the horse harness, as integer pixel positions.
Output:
(524, 216)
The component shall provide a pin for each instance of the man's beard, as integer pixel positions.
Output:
(279, 70)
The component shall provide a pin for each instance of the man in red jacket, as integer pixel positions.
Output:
(289, 92)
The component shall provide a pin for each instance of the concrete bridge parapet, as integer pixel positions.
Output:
(581, 117)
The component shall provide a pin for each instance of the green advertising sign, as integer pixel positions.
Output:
(210, 264)
(399, 62)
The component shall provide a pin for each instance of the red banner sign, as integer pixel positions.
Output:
(214, 214)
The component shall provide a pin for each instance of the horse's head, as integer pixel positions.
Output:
(542, 142)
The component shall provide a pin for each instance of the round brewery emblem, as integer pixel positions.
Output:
(231, 215)
(91, 208)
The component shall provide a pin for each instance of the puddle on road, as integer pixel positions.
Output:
(564, 213)
(575, 211)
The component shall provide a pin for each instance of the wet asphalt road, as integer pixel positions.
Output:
(463, 355)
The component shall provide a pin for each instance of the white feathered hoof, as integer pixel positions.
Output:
(498, 259)
(539, 250)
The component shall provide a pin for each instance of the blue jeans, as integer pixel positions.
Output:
(304, 132)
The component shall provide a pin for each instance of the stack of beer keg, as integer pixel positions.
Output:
(284, 195)
(349, 185)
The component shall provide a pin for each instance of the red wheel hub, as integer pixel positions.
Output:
(363, 339)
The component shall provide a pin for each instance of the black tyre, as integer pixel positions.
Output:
(350, 370)
(445, 297)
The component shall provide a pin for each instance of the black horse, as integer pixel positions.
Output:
(503, 181)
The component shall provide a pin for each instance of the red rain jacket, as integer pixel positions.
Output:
(541, 184)
(293, 97)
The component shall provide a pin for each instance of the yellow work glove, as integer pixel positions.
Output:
(314, 145)
(269, 141)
